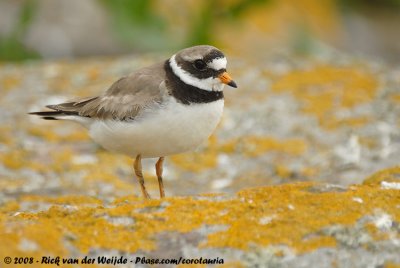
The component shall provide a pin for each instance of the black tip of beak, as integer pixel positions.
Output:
(232, 84)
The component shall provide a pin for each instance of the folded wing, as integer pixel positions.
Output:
(123, 100)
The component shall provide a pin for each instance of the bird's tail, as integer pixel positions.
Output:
(55, 114)
(67, 110)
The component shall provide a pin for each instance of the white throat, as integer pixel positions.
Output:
(209, 84)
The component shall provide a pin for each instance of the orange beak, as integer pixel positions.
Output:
(226, 79)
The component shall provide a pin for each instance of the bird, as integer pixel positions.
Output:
(164, 109)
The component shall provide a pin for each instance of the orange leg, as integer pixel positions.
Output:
(159, 171)
(138, 171)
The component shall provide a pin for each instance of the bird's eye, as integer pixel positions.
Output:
(200, 65)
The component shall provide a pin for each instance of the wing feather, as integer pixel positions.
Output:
(125, 99)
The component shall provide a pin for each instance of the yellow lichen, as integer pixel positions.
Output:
(251, 146)
(291, 214)
(309, 171)
(10, 82)
(354, 122)
(104, 170)
(318, 242)
(256, 145)
(49, 134)
(282, 171)
(62, 160)
(93, 73)
(313, 211)
(14, 159)
(10, 184)
(396, 98)
(6, 135)
(392, 265)
(389, 175)
(375, 233)
(195, 161)
(324, 89)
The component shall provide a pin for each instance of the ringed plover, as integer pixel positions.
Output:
(167, 108)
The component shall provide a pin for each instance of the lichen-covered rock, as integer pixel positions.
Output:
(259, 227)
(331, 121)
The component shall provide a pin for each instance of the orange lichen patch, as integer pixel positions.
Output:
(6, 135)
(76, 200)
(285, 172)
(195, 161)
(310, 213)
(50, 134)
(44, 133)
(369, 142)
(282, 171)
(96, 176)
(324, 89)
(354, 122)
(80, 78)
(60, 84)
(37, 166)
(93, 74)
(388, 175)
(97, 232)
(10, 82)
(318, 242)
(15, 159)
(392, 265)
(104, 170)
(375, 232)
(62, 160)
(309, 171)
(79, 135)
(112, 159)
(251, 146)
(256, 145)
(10, 184)
(396, 98)
(9, 244)
(289, 215)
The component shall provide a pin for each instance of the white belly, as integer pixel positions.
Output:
(171, 129)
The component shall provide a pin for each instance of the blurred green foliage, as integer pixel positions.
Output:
(11, 47)
(138, 25)
(210, 14)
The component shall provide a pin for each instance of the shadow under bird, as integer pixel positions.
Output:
(167, 108)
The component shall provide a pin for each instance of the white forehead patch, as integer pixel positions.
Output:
(209, 84)
(218, 63)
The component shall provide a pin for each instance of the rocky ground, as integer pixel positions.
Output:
(300, 172)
